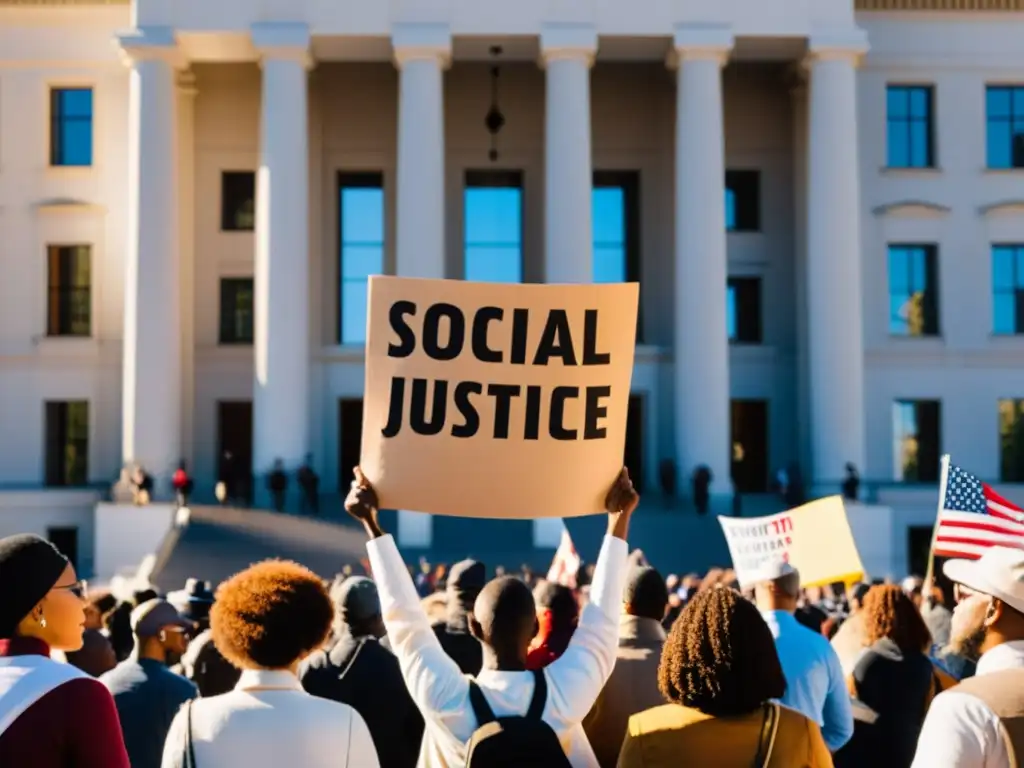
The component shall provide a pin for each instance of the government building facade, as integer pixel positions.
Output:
(823, 203)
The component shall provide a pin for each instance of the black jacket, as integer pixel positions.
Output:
(364, 675)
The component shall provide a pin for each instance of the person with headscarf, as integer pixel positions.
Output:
(557, 616)
(465, 580)
(52, 714)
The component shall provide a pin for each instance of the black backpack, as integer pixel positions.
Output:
(516, 741)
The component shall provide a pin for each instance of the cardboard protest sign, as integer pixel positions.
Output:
(815, 539)
(496, 400)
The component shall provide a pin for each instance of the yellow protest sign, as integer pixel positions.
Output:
(814, 538)
(496, 400)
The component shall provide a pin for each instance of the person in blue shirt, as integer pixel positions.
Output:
(815, 683)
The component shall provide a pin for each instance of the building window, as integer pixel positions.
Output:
(913, 290)
(1008, 289)
(743, 310)
(236, 313)
(1004, 112)
(616, 228)
(493, 211)
(742, 201)
(361, 248)
(1011, 441)
(237, 201)
(67, 443)
(917, 440)
(69, 290)
(909, 127)
(71, 127)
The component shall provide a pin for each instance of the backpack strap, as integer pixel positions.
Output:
(481, 709)
(540, 695)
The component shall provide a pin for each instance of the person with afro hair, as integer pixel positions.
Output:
(720, 672)
(266, 620)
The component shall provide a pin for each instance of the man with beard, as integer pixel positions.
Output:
(980, 722)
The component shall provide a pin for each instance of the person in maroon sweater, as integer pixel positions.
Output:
(51, 714)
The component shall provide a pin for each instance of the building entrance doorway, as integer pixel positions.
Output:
(234, 447)
(350, 436)
(749, 425)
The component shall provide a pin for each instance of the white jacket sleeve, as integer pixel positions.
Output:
(434, 680)
(577, 677)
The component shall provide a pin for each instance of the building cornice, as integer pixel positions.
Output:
(988, 6)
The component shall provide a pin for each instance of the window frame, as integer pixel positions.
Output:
(60, 314)
(1013, 118)
(931, 309)
(56, 471)
(229, 222)
(907, 122)
(748, 178)
(629, 182)
(732, 283)
(355, 180)
(1017, 407)
(226, 282)
(1016, 291)
(56, 125)
(496, 178)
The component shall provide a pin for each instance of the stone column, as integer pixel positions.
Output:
(834, 305)
(151, 395)
(567, 53)
(701, 340)
(281, 274)
(422, 52)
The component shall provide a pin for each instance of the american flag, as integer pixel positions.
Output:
(973, 517)
(565, 565)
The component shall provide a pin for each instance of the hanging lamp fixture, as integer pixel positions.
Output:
(494, 121)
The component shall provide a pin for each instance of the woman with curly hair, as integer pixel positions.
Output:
(265, 621)
(894, 678)
(720, 672)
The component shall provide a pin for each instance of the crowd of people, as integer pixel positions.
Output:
(445, 668)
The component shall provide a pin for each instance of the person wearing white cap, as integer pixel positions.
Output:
(980, 722)
(815, 686)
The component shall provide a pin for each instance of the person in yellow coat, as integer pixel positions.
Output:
(720, 672)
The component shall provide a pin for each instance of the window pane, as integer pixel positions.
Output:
(361, 261)
(76, 102)
(730, 312)
(1018, 253)
(898, 149)
(493, 216)
(730, 210)
(1017, 101)
(999, 144)
(362, 215)
(609, 264)
(919, 145)
(898, 312)
(896, 102)
(76, 142)
(353, 311)
(905, 441)
(494, 264)
(609, 215)
(899, 273)
(1004, 308)
(238, 201)
(997, 102)
(920, 103)
(918, 281)
(1002, 267)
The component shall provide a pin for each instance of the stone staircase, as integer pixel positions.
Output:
(217, 542)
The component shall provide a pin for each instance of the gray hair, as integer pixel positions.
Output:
(789, 584)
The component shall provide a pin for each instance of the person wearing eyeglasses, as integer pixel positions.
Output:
(52, 715)
(147, 693)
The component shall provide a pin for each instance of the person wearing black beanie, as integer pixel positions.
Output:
(49, 710)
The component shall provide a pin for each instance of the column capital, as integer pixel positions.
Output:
(186, 82)
(150, 43)
(560, 41)
(282, 41)
(849, 44)
(417, 41)
(700, 42)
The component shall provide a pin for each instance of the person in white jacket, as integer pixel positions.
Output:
(504, 619)
(265, 621)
